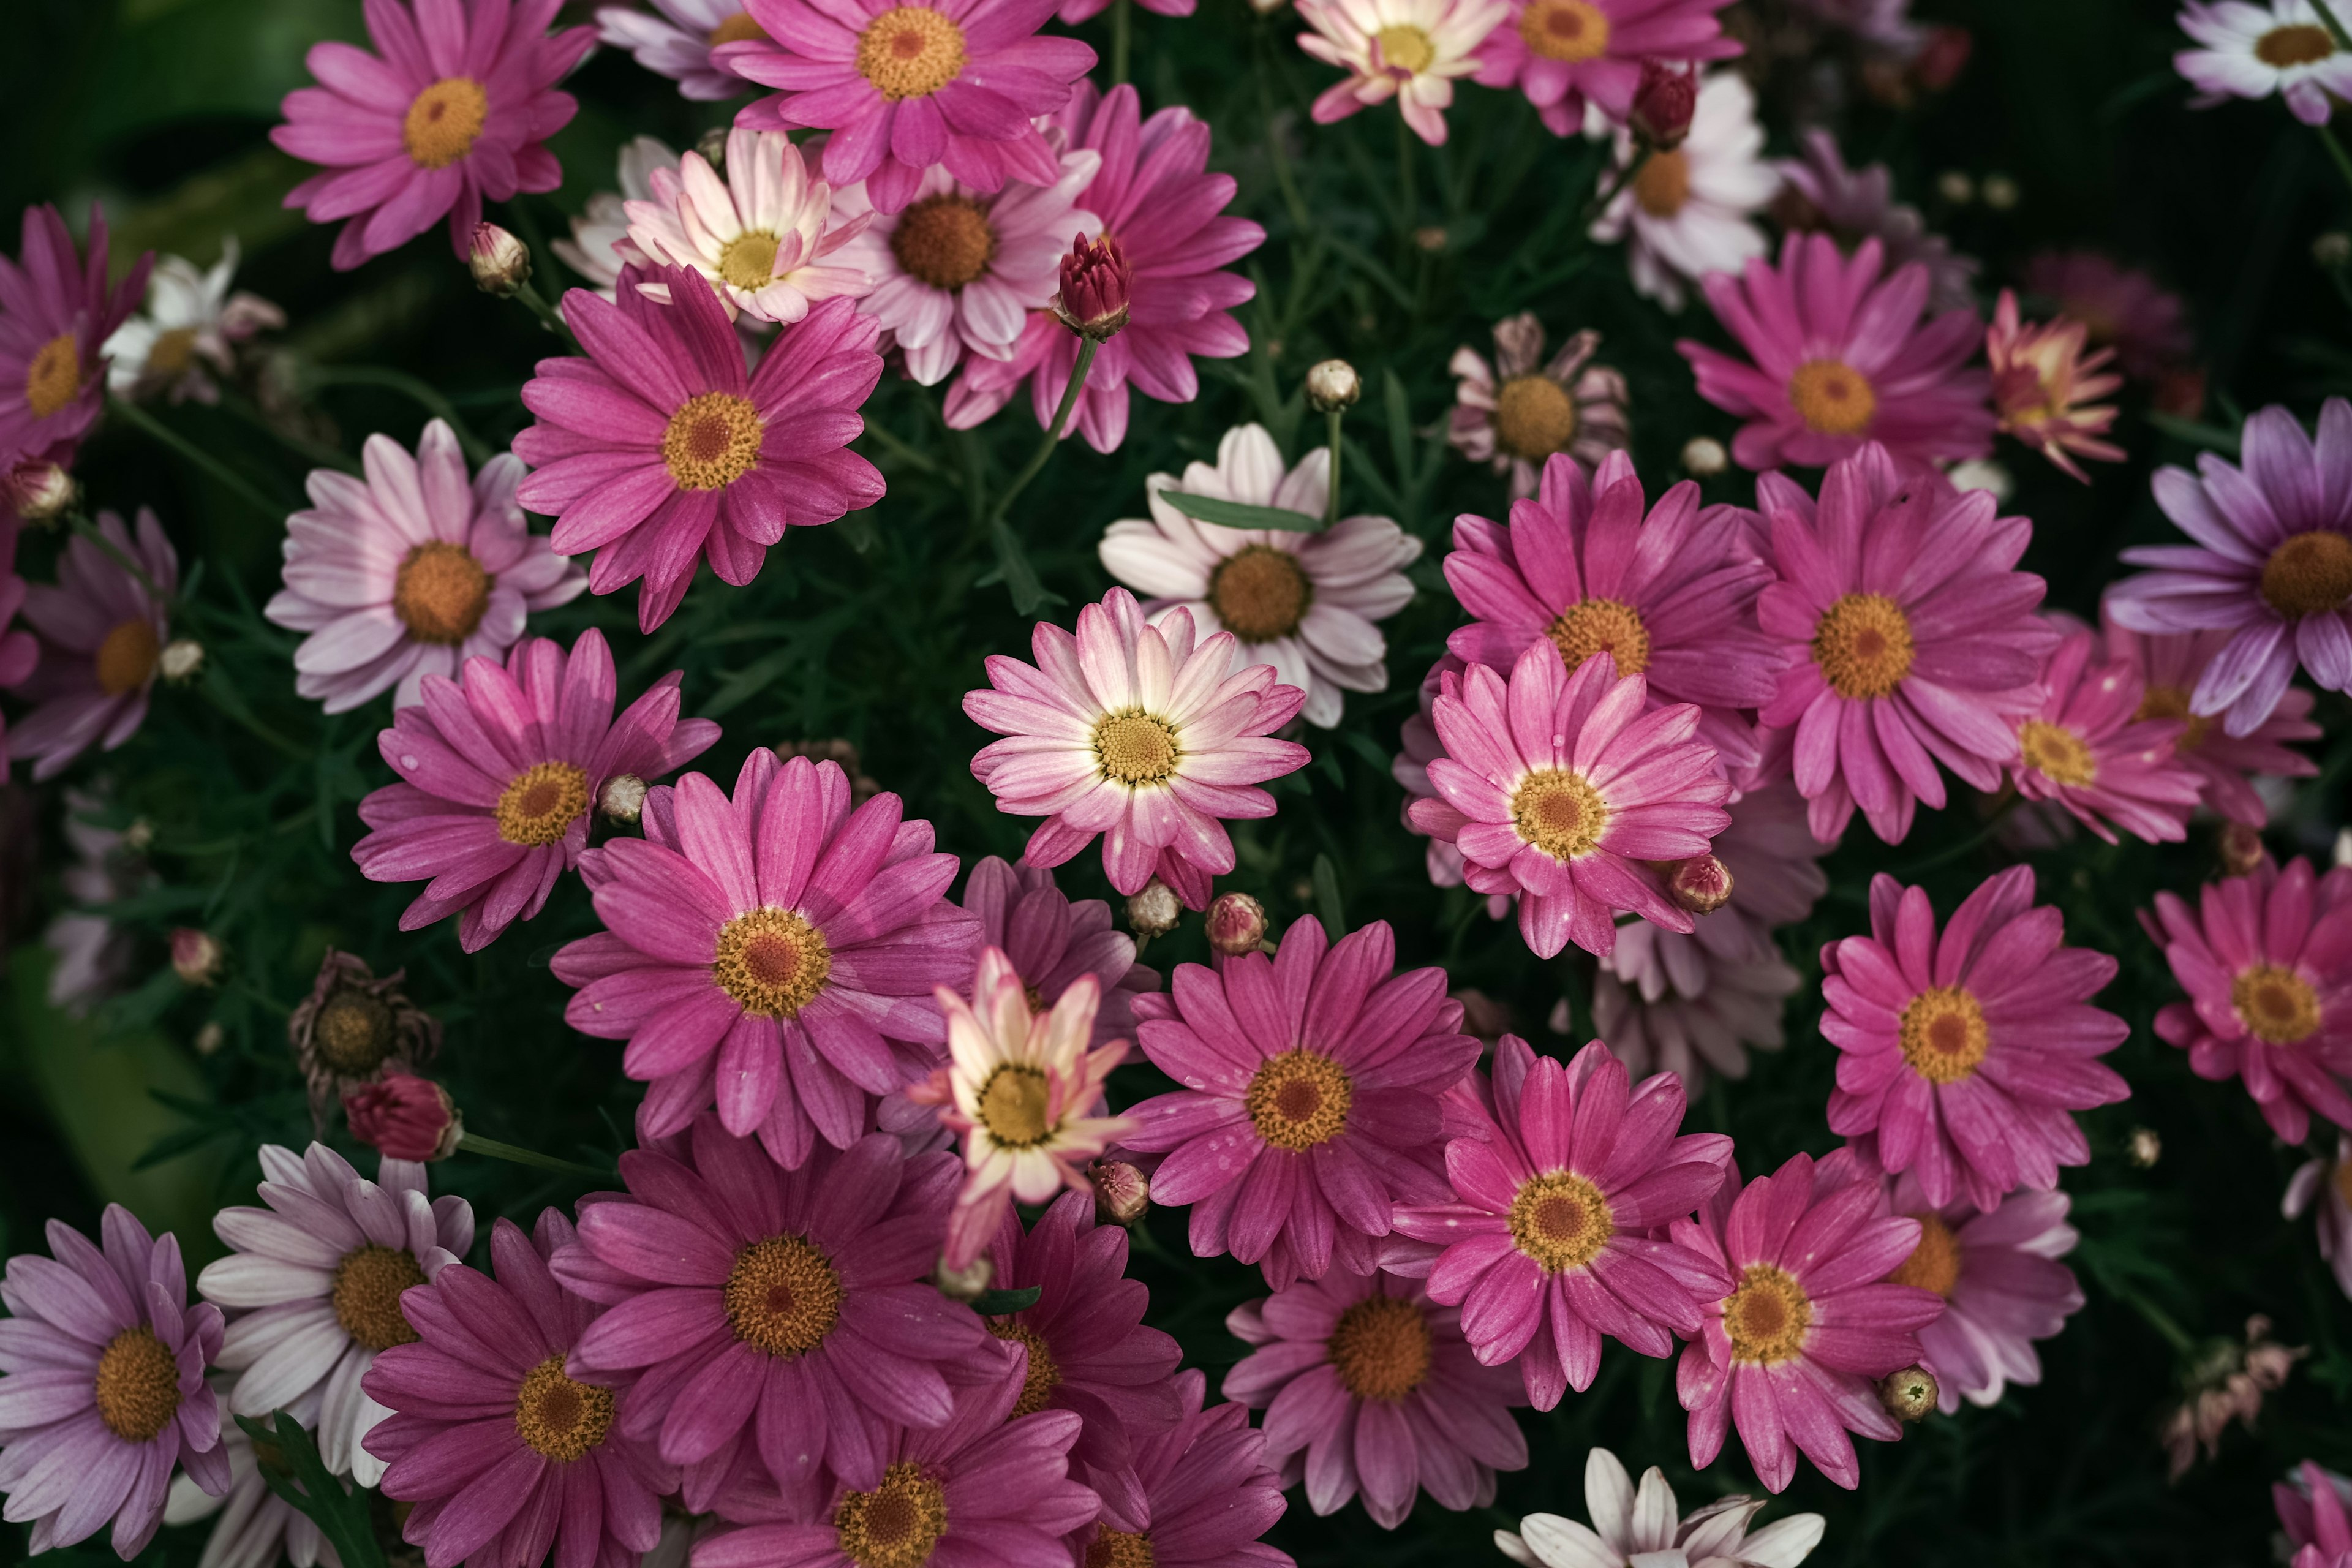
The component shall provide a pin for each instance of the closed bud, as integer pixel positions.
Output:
(1942, 57)
(1662, 106)
(404, 1118)
(500, 262)
(210, 1039)
(1236, 924)
(622, 797)
(1908, 1395)
(969, 1283)
(1701, 884)
(2241, 849)
(1155, 911)
(1333, 383)
(1703, 457)
(196, 955)
(2000, 192)
(40, 491)
(712, 143)
(1095, 278)
(2145, 1149)
(181, 659)
(1955, 187)
(1122, 1195)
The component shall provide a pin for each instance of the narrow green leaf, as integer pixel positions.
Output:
(1327, 897)
(1002, 1303)
(1240, 514)
(1029, 595)
(1400, 413)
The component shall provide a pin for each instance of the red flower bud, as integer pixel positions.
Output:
(196, 955)
(1942, 57)
(404, 1118)
(1094, 281)
(1701, 884)
(1662, 106)
(1236, 924)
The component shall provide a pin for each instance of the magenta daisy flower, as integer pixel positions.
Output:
(1155, 193)
(2087, 749)
(1911, 639)
(1555, 785)
(102, 631)
(658, 450)
(1554, 1235)
(786, 1315)
(411, 572)
(2311, 1510)
(57, 312)
(1131, 732)
(2003, 1285)
(1311, 1101)
(2170, 665)
(1671, 595)
(505, 1455)
(1198, 1495)
(2266, 959)
(775, 953)
(1052, 940)
(19, 650)
(499, 771)
(2271, 563)
(1566, 53)
(2326, 1182)
(456, 104)
(1965, 1053)
(1369, 1386)
(906, 86)
(104, 1393)
(1789, 1354)
(1840, 358)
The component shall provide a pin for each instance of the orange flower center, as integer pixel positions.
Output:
(440, 592)
(443, 121)
(944, 240)
(558, 1418)
(138, 1386)
(911, 52)
(2277, 1005)
(1045, 1372)
(1767, 1316)
(1569, 30)
(1561, 1220)
(53, 378)
(1935, 1263)
(170, 354)
(1831, 396)
(1381, 1348)
(1863, 644)
(897, 1524)
(1298, 1099)
(712, 440)
(126, 660)
(1663, 185)
(366, 1295)
(2309, 575)
(1943, 1033)
(1559, 811)
(353, 1033)
(783, 1296)
(2296, 44)
(1260, 592)
(2057, 754)
(538, 807)
(772, 960)
(1593, 625)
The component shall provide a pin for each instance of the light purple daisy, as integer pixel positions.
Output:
(1740, 1009)
(102, 632)
(2003, 1285)
(2170, 665)
(104, 1393)
(1051, 939)
(1774, 862)
(2254, 50)
(678, 39)
(1198, 1495)
(2271, 563)
(56, 312)
(1853, 204)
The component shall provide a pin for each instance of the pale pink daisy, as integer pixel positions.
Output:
(1522, 410)
(1565, 54)
(412, 571)
(1132, 731)
(1689, 211)
(186, 330)
(2086, 748)
(677, 39)
(2253, 51)
(103, 630)
(1776, 878)
(600, 232)
(767, 237)
(2170, 665)
(2044, 385)
(56, 312)
(2328, 1183)
(1997, 1270)
(1645, 1529)
(1410, 50)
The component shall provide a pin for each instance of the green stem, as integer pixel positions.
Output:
(475, 1144)
(1331, 502)
(90, 531)
(1407, 199)
(417, 392)
(1087, 348)
(1624, 177)
(2336, 150)
(549, 316)
(905, 451)
(1122, 25)
(2335, 28)
(229, 478)
(2161, 1322)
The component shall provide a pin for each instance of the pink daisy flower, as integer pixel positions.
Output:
(787, 1316)
(1052, 940)
(906, 86)
(1074, 12)
(2270, 562)
(1369, 1386)
(1965, 1053)
(1670, 596)
(2044, 385)
(2170, 665)
(2124, 307)
(1131, 732)
(1411, 51)
(1555, 785)
(1565, 53)
(411, 572)
(1517, 412)
(775, 953)
(505, 1455)
(679, 39)
(1155, 193)
(456, 104)
(1789, 1354)
(766, 237)
(2003, 1288)
(105, 1392)
(1555, 1233)
(658, 450)
(19, 650)
(1840, 358)
(102, 634)
(1198, 1495)
(1311, 1099)
(56, 312)
(2311, 1510)
(2328, 1184)
(499, 771)
(1912, 640)
(2086, 748)
(2266, 959)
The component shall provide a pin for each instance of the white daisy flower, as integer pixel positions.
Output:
(1686, 213)
(256, 1527)
(2253, 51)
(595, 249)
(1644, 1529)
(761, 235)
(188, 322)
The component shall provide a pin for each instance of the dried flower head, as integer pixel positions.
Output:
(2227, 1383)
(353, 1026)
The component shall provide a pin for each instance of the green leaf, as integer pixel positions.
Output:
(302, 1479)
(1241, 514)
(1013, 568)
(1327, 897)
(1002, 1303)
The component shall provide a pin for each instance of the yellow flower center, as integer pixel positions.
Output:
(138, 1386)
(1943, 1033)
(170, 354)
(1559, 811)
(898, 1523)
(1260, 592)
(1935, 1263)
(440, 592)
(538, 807)
(444, 121)
(126, 660)
(1767, 1316)
(747, 261)
(1381, 1348)
(944, 240)
(1405, 47)
(1831, 396)
(736, 29)
(1561, 1220)
(1135, 748)
(1012, 1106)
(2057, 754)
(1045, 1372)
(558, 1418)
(1298, 1099)
(1118, 1549)
(2309, 575)
(53, 379)
(2172, 702)
(783, 1296)
(352, 1033)
(772, 960)
(366, 1295)
(1592, 626)
(2276, 1005)
(2296, 44)
(910, 52)
(1662, 184)
(1534, 417)
(1863, 644)
(712, 440)
(1569, 30)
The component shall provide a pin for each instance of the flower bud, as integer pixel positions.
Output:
(1332, 385)
(1429, 236)
(1155, 911)
(196, 955)
(2241, 849)
(1955, 187)
(1701, 884)
(1703, 457)
(966, 1284)
(1908, 1395)
(2332, 250)
(2145, 1148)
(1942, 57)
(622, 797)
(1662, 106)
(404, 1118)
(1236, 924)
(1122, 1195)
(500, 262)
(1983, 474)
(1094, 282)
(210, 1039)
(181, 659)
(2001, 192)
(40, 491)
(712, 143)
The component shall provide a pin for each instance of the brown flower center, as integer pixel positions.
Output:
(2343, 1178)
(352, 1033)
(1569, 30)
(1381, 1348)
(1014, 1104)
(1405, 47)
(138, 1386)
(910, 52)
(1863, 644)
(440, 592)
(2277, 1005)
(712, 440)
(444, 121)
(898, 1523)
(1260, 592)
(1118, 1549)
(1135, 748)
(1943, 1033)
(1935, 1263)
(944, 240)
(1662, 184)
(1045, 1372)
(749, 260)
(783, 1296)
(558, 1418)
(1590, 625)
(2309, 575)
(1559, 811)
(2172, 702)
(1831, 396)
(53, 379)
(1298, 1099)
(1534, 417)
(2057, 754)
(1561, 1220)
(1767, 1316)
(2296, 44)
(126, 660)
(773, 961)
(366, 1295)
(736, 29)
(170, 354)
(543, 803)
